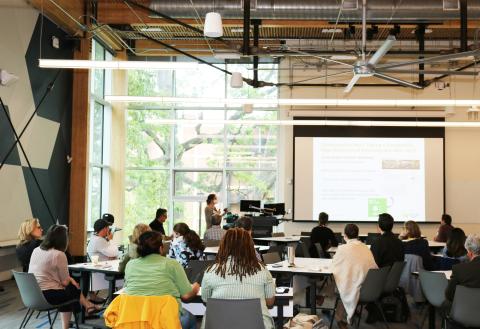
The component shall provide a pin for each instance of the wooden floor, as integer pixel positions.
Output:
(12, 313)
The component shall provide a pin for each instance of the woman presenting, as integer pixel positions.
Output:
(210, 209)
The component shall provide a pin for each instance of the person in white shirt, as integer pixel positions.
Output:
(101, 243)
(350, 266)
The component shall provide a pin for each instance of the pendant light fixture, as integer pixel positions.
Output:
(236, 81)
(213, 27)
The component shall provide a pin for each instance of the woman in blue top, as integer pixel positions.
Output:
(186, 245)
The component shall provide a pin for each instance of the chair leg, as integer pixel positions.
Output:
(54, 319)
(333, 313)
(25, 317)
(75, 317)
(379, 307)
(359, 317)
(28, 319)
(49, 319)
(38, 314)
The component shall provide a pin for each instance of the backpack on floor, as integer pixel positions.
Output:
(395, 306)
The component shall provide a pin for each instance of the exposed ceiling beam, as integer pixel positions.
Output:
(68, 14)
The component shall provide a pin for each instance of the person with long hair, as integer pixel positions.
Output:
(237, 274)
(186, 245)
(152, 274)
(455, 247)
(138, 230)
(211, 210)
(50, 267)
(414, 244)
(29, 236)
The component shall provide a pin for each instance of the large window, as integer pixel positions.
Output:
(177, 165)
(100, 114)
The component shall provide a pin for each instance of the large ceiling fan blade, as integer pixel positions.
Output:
(436, 72)
(352, 83)
(384, 48)
(328, 59)
(432, 59)
(396, 80)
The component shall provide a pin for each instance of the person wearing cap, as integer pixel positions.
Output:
(101, 243)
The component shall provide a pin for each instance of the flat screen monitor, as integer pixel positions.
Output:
(278, 208)
(246, 205)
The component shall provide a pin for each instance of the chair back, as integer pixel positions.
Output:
(320, 252)
(278, 235)
(411, 283)
(211, 243)
(30, 292)
(371, 237)
(306, 233)
(433, 287)
(393, 278)
(271, 258)
(305, 245)
(339, 237)
(278, 249)
(465, 307)
(196, 269)
(370, 290)
(234, 314)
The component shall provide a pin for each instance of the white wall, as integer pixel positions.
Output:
(462, 146)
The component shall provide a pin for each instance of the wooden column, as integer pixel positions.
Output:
(79, 164)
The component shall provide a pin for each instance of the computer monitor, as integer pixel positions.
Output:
(246, 205)
(278, 208)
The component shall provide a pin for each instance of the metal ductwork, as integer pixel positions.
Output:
(413, 11)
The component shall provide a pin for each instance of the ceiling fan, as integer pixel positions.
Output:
(368, 68)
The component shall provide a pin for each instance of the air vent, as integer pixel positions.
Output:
(451, 5)
(350, 5)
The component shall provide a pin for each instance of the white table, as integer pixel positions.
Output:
(214, 250)
(280, 239)
(431, 244)
(303, 266)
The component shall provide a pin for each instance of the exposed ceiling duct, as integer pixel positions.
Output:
(378, 10)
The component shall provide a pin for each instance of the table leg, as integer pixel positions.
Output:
(313, 297)
(111, 286)
(431, 317)
(84, 278)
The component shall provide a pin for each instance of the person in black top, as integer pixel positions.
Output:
(414, 244)
(323, 235)
(160, 218)
(29, 234)
(387, 248)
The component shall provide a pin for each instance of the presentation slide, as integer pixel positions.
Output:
(355, 179)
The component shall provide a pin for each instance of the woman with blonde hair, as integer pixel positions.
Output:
(138, 230)
(416, 245)
(29, 234)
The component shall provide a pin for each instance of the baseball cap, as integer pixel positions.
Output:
(109, 218)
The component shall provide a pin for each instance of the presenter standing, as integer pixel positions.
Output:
(211, 210)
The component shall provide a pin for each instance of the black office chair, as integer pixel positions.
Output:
(234, 314)
(393, 278)
(371, 237)
(33, 299)
(196, 269)
(271, 258)
(306, 233)
(305, 246)
(339, 237)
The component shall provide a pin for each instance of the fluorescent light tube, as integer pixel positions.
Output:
(221, 102)
(114, 65)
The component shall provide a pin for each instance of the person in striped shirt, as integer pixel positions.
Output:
(237, 274)
(215, 233)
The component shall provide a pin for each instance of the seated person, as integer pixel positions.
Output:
(160, 218)
(455, 247)
(466, 274)
(101, 243)
(237, 274)
(414, 244)
(29, 234)
(138, 230)
(247, 224)
(152, 274)
(444, 229)
(186, 245)
(50, 267)
(387, 248)
(215, 232)
(323, 235)
(350, 266)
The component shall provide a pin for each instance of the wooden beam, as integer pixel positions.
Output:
(68, 14)
(79, 164)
